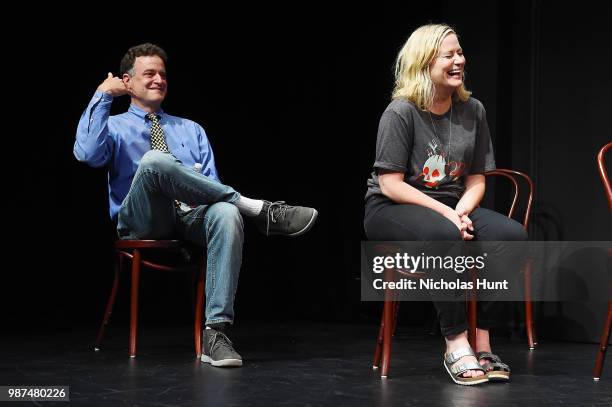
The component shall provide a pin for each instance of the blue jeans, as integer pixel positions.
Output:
(148, 212)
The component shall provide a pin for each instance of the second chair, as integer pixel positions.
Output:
(388, 323)
(136, 251)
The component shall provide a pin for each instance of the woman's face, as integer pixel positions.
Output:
(447, 68)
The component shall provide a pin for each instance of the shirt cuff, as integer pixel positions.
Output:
(103, 96)
(384, 165)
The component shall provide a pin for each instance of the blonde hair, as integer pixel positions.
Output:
(412, 77)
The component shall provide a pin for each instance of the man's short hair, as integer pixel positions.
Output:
(142, 50)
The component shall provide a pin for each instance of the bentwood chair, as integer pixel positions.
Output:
(527, 190)
(603, 344)
(388, 323)
(139, 254)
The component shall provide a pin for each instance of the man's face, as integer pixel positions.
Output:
(148, 86)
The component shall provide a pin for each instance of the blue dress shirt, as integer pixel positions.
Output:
(120, 141)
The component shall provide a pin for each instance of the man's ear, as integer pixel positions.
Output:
(126, 80)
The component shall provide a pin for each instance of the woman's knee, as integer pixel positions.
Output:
(493, 226)
(513, 231)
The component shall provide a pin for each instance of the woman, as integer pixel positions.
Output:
(432, 150)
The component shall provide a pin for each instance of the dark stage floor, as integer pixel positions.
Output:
(291, 365)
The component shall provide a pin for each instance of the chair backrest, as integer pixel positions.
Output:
(515, 177)
(604, 174)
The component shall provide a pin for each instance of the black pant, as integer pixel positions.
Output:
(388, 221)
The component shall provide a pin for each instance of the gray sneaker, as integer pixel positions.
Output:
(218, 350)
(278, 218)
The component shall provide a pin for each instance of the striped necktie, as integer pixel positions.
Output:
(158, 139)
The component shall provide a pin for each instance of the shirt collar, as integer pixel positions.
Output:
(142, 114)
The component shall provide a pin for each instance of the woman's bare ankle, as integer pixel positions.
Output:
(454, 342)
(483, 342)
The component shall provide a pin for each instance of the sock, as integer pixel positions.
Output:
(249, 207)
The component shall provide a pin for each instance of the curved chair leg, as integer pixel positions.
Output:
(387, 338)
(472, 318)
(388, 325)
(199, 303)
(531, 339)
(111, 301)
(379, 342)
(603, 345)
(134, 301)
(472, 312)
(531, 334)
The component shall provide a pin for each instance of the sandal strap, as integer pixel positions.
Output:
(500, 366)
(460, 368)
(488, 355)
(454, 356)
(492, 361)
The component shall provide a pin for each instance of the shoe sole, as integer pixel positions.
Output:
(498, 377)
(222, 363)
(307, 227)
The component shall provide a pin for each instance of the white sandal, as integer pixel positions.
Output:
(455, 370)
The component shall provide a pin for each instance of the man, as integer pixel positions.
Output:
(163, 184)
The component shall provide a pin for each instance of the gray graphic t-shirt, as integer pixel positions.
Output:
(433, 157)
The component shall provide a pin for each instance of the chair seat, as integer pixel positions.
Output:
(162, 255)
(148, 244)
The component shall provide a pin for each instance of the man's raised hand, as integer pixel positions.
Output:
(114, 86)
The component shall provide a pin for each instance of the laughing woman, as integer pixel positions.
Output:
(432, 151)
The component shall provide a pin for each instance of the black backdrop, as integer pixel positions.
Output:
(290, 99)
